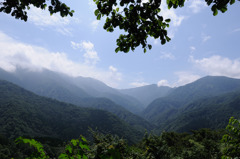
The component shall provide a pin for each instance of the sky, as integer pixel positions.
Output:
(201, 45)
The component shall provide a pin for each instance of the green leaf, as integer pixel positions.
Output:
(83, 139)
(131, 7)
(98, 16)
(214, 9)
(168, 20)
(96, 12)
(150, 47)
(224, 9)
(117, 49)
(232, 2)
(68, 148)
(74, 142)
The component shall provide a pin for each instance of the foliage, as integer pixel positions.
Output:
(76, 149)
(203, 143)
(39, 154)
(139, 19)
(17, 8)
(26, 114)
(232, 139)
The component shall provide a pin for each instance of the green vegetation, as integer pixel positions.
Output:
(205, 103)
(137, 19)
(26, 114)
(232, 139)
(203, 143)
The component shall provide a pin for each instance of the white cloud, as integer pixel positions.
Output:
(90, 55)
(205, 37)
(219, 66)
(138, 84)
(197, 5)
(192, 48)
(34, 58)
(114, 74)
(94, 24)
(42, 18)
(176, 19)
(162, 83)
(112, 69)
(167, 55)
(185, 78)
(92, 5)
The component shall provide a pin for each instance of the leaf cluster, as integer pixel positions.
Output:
(139, 21)
(18, 8)
(232, 139)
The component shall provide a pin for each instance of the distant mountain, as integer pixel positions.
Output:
(97, 88)
(146, 94)
(69, 89)
(166, 107)
(212, 112)
(24, 113)
(73, 90)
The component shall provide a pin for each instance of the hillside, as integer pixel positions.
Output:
(24, 113)
(166, 107)
(146, 94)
(211, 113)
(68, 89)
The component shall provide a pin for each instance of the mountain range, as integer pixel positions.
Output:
(205, 90)
(24, 113)
(205, 103)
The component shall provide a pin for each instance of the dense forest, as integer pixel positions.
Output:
(64, 117)
(203, 143)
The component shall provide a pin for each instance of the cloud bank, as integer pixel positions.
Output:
(218, 66)
(34, 58)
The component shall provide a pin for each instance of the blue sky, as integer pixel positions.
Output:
(202, 44)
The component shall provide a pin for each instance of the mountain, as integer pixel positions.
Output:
(97, 88)
(26, 114)
(67, 89)
(146, 94)
(166, 107)
(212, 112)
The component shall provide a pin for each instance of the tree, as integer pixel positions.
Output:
(138, 19)
(232, 139)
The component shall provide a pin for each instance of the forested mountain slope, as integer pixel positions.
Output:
(67, 89)
(212, 112)
(166, 107)
(146, 94)
(24, 113)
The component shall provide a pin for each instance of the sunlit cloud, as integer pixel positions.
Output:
(90, 55)
(16, 54)
(218, 66)
(192, 49)
(167, 55)
(185, 78)
(94, 24)
(114, 73)
(197, 5)
(176, 19)
(42, 19)
(138, 84)
(172, 14)
(163, 83)
(205, 37)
